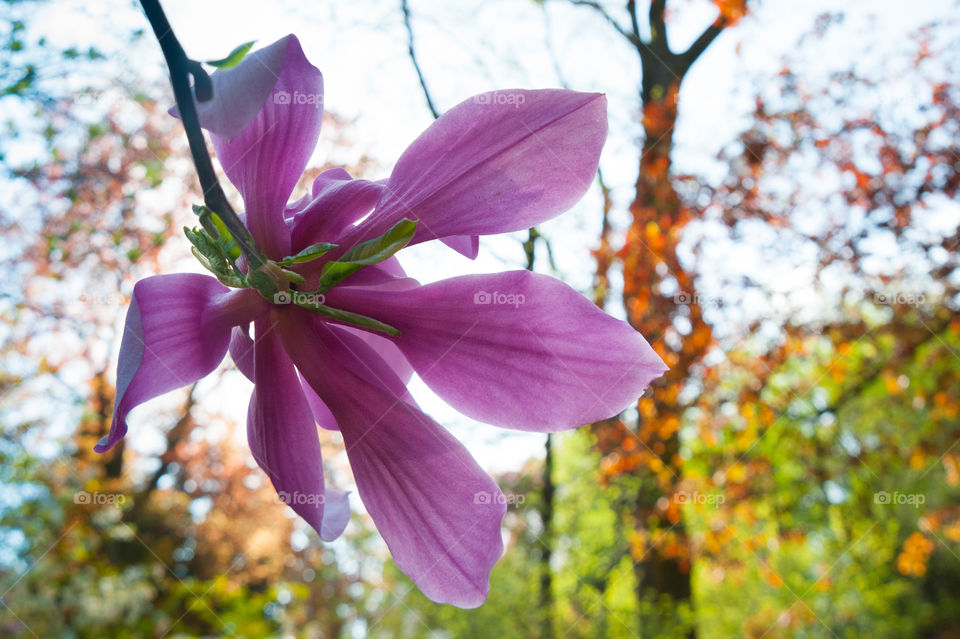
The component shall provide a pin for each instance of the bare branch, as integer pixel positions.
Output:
(181, 69)
(658, 27)
(596, 6)
(688, 57)
(405, 8)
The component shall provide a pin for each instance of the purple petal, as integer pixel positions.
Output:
(385, 348)
(241, 351)
(498, 162)
(321, 412)
(363, 354)
(239, 92)
(338, 201)
(336, 514)
(266, 159)
(438, 512)
(176, 332)
(283, 436)
(466, 245)
(518, 349)
(370, 356)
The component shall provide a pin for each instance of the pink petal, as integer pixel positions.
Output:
(283, 436)
(438, 512)
(266, 159)
(369, 356)
(321, 412)
(336, 514)
(518, 349)
(176, 332)
(385, 348)
(239, 92)
(498, 162)
(466, 245)
(338, 201)
(241, 350)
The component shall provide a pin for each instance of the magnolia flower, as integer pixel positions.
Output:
(516, 349)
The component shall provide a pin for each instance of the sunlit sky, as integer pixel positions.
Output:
(466, 47)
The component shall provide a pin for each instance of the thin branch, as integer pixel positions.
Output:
(633, 39)
(413, 58)
(688, 57)
(181, 69)
(658, 26)
(632, 10)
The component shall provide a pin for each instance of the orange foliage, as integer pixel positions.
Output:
(912, 562)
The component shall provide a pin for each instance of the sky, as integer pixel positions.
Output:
(470, 46)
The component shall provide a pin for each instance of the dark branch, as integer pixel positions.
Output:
(688, 57)
(413, 58)
(634, 24)
(658, 27)
(181, 69)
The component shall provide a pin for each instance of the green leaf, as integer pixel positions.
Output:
(367, 253)
(234, 57)
(351, 318)
(293, 276)
(312, 252)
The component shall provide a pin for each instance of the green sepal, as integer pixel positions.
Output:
(312, 252)
(293, 276)
(211, 255)
(263, 283)
(234, 57)
(367, 253)
(217, 230)
(351, 318)
(227, 279)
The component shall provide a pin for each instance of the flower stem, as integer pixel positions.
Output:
(181, 68)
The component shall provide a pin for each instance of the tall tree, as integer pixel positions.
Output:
(658, 296)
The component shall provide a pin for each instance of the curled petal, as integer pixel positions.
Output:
(338, 201)
(517, 349)
(321, 412)
(241, 351)
(176, 332)
(466, 245)
(239, 92)
(438, 512)
(336, 514)
(267, 157)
